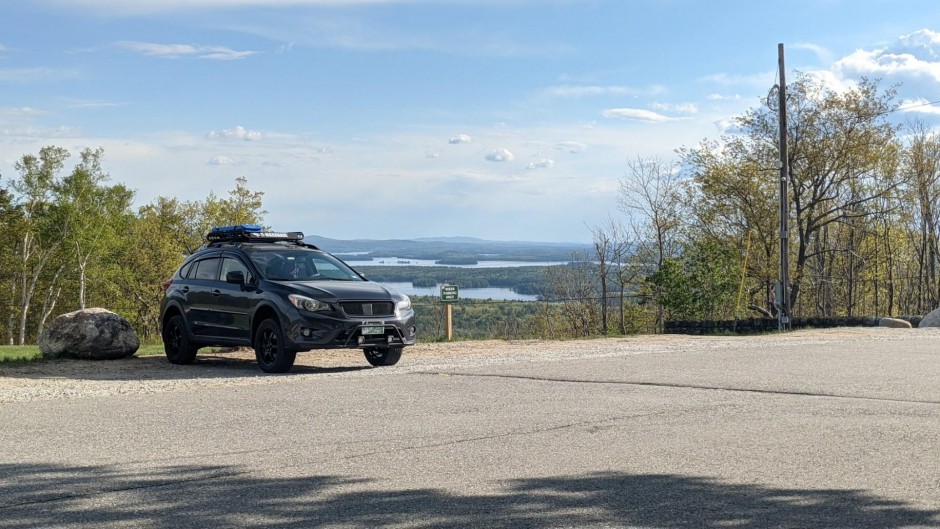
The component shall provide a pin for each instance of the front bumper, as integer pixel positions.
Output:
(306, 331)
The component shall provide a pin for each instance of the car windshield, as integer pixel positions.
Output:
(298, 264)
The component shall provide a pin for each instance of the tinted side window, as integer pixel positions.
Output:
(231, 264)
(187, 269)
(207, 269)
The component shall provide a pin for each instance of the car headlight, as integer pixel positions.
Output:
(403, 304)
(305, 303)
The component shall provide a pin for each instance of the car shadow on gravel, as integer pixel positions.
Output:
(48, 495)
(157, 368)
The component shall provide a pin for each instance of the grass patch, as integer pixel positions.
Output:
(19, 353)
(12, 354)
(150, 349)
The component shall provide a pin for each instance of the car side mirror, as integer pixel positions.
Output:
(235, 276)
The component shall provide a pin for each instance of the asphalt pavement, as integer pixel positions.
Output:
(714, 433)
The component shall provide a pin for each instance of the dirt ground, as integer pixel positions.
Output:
(153, 374)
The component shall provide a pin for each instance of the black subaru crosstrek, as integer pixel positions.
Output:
(279, 295)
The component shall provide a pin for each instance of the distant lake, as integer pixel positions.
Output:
(494, 293)
(356, 262)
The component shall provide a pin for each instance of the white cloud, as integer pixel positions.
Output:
(176, 51)
(223, 160)
(635, 114)
(238, 133)
(460, 138)
(721, 97)
(499, 155)
(544, 163)
(680, 108)
(727, 126)
(919, 106)
(913, 60)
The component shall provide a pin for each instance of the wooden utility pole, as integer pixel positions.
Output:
(783, 288)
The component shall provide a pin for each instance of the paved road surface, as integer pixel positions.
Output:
(802, 430)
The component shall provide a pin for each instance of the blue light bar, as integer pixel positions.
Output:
(250, 232)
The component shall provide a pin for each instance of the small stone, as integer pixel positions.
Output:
(894, 323)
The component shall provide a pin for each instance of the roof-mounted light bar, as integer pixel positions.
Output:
(250, 232)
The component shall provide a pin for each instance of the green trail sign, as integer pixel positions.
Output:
(449, 293)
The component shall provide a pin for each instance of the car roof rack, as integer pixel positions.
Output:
(250, 233)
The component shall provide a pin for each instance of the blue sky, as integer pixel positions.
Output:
(499, 119)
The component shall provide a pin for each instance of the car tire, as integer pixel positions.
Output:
(176, 343)
(270, 348)
(386, 356)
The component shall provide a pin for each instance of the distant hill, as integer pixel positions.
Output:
(451, 248)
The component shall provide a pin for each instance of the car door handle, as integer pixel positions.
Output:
(216, 292)
(185, 289)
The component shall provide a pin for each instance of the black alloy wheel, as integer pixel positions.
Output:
(175, 343)
(386, 356)
(269, 348)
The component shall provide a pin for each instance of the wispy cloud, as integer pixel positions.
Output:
(144, 7)
(460, 138)
(822, 53)
(680, 108)
(238, 133)
(32, 75)
(635, 114)
(573, 147)
(544, 163)
(223, 160)
(751, 81)
(178, 51)
(581, 91)
(22, 112)
(94, 104)
(920, 106)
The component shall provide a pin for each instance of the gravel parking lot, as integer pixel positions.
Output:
(153, 374)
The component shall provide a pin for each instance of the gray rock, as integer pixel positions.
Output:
(931, 320)
(89, 334)
(894, 322)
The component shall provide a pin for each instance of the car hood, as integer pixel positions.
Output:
(343, 290)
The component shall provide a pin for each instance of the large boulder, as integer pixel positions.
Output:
(931, 320)
(89, 334)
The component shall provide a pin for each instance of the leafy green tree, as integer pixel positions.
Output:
(843, 158)
(94, 217)
(39, 234)
(157, 233)
(701, 284)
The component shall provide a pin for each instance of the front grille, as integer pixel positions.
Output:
(368, 308)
